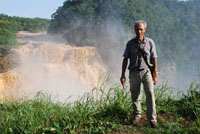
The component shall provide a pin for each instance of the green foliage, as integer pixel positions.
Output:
(26, 24)
(173, 25)
(8, 32)
(110, 111)
(189, 104)
(9, 26)
(32, 25)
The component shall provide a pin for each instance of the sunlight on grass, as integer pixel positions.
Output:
(111, 112)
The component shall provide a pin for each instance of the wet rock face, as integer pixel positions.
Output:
(7, 62)
(4, 64)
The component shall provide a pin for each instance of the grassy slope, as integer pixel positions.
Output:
(111, 114)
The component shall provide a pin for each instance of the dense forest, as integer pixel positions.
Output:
(108, 25)
(10, 25)
(174, 25)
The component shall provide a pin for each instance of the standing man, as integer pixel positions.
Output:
(142, 55)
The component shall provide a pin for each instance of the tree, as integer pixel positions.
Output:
(174, 25)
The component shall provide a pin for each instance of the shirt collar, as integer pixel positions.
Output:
(144, 41)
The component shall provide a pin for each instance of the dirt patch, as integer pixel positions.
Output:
(130, 129)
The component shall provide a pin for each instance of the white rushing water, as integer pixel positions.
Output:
(56, 69)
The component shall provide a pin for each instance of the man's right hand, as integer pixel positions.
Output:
(124, 65)
(123, 80)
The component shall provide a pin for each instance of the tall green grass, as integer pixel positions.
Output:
(110, 111)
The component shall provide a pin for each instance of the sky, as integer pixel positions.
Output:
(30, 8)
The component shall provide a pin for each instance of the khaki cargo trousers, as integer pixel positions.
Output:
(136, 79)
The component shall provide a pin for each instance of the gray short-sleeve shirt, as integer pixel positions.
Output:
(132, 52)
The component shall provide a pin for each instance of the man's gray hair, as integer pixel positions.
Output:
(140, 21)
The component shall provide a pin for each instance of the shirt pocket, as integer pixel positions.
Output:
(147, 49)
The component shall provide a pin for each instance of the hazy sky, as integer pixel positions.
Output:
(30, 8)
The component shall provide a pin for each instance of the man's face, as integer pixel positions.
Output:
(140, 30)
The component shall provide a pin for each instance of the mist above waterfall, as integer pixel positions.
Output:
(57, 69)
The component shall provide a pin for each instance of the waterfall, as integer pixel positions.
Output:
(55, 68)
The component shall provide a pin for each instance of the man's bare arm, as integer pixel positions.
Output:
(124, 66)
(155, 75)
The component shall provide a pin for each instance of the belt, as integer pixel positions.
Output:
(140, 69)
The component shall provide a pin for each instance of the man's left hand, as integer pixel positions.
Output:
(155, 79)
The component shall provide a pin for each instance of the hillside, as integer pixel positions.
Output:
(108, 25)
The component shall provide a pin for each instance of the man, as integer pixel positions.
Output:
(142, 55)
